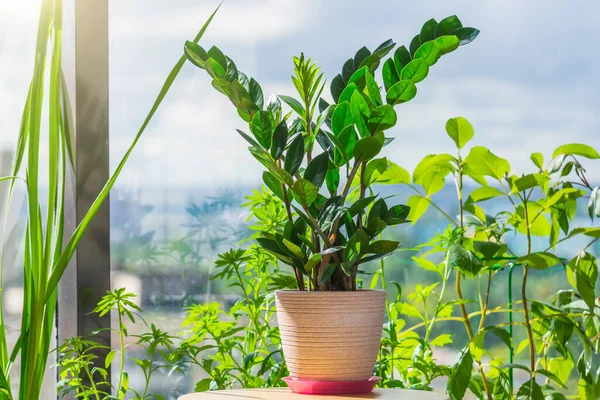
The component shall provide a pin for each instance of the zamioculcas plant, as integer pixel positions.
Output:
(321, 160)
(331, 231)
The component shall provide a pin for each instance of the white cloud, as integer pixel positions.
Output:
(236, 21)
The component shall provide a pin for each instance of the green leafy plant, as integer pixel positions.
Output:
(327, 238)
(76, 357)
(479, 245)
(46, 255)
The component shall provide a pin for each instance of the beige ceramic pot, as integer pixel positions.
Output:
(330, 336)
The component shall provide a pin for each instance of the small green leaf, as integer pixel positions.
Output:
(317, 169)
(262, 128)
(460, 130)
(295, 155)
(249, 139)
(295, 250)
(582, 272)
(415, 71)
(355, 248)
(218, 56)
(312, 262)
(304, 192)
(294, 104)
(195, 54)
(203, 385)
(538, 160)
(273, 184)
(418, 205)
(367, 148)
(577, 149)
(401, 92)
(541, 260)
(482, 162)
(109, 358)
(447, 44)
(484, 193)
(489, 249)
(528, 182)
(372, 89)
(465, 260)
(397, 214)
(394, 174)
(431, 172)
(389, 74)
(530, 390)
(341, 118)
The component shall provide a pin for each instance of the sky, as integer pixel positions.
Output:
(528, 83)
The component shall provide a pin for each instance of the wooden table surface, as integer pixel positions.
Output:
(286, 394)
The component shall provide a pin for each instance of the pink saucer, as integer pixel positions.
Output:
(305, 386)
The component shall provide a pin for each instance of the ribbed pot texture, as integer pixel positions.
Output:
(330, 336)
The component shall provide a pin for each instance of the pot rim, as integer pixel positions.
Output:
(329, 292)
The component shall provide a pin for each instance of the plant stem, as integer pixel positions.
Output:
(524, 294)
(122, 349)
(463, 309)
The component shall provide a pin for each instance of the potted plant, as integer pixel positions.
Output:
(320, 160)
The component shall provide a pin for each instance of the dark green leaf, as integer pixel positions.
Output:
(381, 118)
(218, 56)
(332, 180)
(530, 390)
(461, 375)
(465, 35)
(317, 169)
(348, 70)
(232, 73)
(397, 214)
(360, 55)
(401, 58)
(294, 104)
(360, 205)
(256, 93)
(414, 45)
(249, 139)
(465, 260)
(382, 247)
(489, 249)
(447, 25)
(428, 31)
(273, 184)
(367, 148)
(373, 89)
(304, 192)
(337, 87)
(280, 137)
(295, 155)
(347, 93)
